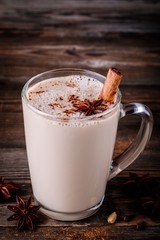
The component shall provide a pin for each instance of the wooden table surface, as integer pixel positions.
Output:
(37, 36)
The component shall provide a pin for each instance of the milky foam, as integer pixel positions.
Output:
(55, 96)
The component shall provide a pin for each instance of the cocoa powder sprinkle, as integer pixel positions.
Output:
(73, 98)
(71, 84)
(69, 111)
(53, 105)
(39, 92)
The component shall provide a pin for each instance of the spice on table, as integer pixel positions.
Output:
(112, 218)
(141, 225)
(6, 189)
(128, 218)
(151, 204)
(146, 191)
(139, 185)
(24, 213)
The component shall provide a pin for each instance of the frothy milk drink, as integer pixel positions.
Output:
(71, 121)
(69, 153)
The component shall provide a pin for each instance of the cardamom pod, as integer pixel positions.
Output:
(112, 218)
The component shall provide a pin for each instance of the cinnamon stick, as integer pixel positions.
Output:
(111, 84)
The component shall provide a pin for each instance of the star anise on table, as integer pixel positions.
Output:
(90, 108)
(140, 185)
(6, 188)
(151, 204)
(24, 213)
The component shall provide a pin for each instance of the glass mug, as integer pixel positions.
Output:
(70, 164)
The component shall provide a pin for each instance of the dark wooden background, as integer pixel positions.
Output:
(37, 36)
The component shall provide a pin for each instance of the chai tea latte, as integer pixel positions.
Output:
(70, 154)
(70, 121)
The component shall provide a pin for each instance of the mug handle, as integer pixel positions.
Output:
(138, 145)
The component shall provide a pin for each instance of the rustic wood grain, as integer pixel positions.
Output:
(37, 36)
(87, 35)
(140, 65)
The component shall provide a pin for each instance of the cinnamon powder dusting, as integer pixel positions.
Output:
(53, 105)
(69, 111)
(39, 92)
(71, 84)
(72, 98)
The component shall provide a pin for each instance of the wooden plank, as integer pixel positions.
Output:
(114, 40)
(139, 65)
(60, 14)
(132, 45)
(124, 5)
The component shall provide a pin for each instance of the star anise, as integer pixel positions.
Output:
(141, 225)
(140, 185)
(151, 204)
(6, 188)
(90, 108)
(24, 213)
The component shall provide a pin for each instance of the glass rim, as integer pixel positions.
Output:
(59, 119)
